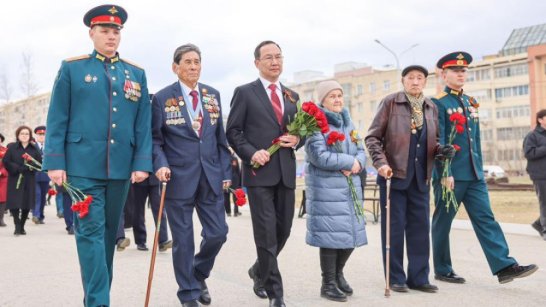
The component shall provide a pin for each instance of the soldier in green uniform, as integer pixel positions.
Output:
(99, 139)
(466, 178)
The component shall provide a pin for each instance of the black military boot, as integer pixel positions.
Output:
(22, 221)
(342, 256)
(329, 289)
(16, 222)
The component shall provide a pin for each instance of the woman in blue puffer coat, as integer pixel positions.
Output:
(332, 221)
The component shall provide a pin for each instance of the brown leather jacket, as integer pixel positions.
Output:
(389, 134)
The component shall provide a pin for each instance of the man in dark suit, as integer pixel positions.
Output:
(260, 111)
(42, 180)
(190, 151)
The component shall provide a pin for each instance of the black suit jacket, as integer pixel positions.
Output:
(252, 126)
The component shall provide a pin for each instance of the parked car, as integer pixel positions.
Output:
(494, 173)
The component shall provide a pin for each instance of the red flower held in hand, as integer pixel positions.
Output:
(239, 193)
(459, 129)
(51, 192)
(335, 137)
(457, 147)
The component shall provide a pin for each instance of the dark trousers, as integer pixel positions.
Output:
(139, 196)
(475, 197)
(67, 211)
(41, 195)
(410, 213)
(272, 212)
(227, 204)
(19, 219)
(540, 189)
(190, 269)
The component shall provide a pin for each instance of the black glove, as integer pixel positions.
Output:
(446, 152)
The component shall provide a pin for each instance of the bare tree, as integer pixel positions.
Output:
(28, 84)
(5, 88)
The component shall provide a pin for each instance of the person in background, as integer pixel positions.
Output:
(42, 180)
(235, 184)
(21, 180)
(534, 148)
(3, 181)
(332, 221)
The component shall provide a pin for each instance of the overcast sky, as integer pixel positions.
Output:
(314, 34)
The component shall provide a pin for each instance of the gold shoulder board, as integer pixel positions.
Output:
(441, 95)
(76, 58)
(131, 63)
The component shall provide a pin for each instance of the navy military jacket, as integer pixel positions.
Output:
(178, 147)
(99, 120)
(467, 165)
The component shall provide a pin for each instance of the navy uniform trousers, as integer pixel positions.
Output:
(475, 197)
(410, 214)
(96, 235)
(190, 269)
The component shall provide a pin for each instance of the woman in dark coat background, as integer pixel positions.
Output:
(21, 200)
(3, 182)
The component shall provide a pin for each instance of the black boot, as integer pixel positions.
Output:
(342, 256)
(2, 211)
(329, 287)
(24, 217)
(16, 222)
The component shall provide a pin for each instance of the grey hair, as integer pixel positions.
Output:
(180, 51)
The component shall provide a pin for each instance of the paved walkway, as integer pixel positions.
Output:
(41, 269)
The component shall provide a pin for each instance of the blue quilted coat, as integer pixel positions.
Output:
(331, 219)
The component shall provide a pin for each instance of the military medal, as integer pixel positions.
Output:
(87, 78)
(95, 79)
(196, 125)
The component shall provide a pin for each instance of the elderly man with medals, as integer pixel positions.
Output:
(190, 152)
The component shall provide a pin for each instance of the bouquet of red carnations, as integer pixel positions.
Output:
(307, 120)
(335, 139)
(32, 164)
(458, 121)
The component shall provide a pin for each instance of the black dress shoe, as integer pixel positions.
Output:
(258, 287)
(70, 230)
(425, 288)
(399, 287)
(22, 232)
(193, 303)
(515, 271)
(450, 277)
(142, 247)
(276, 302)
(204, 298)
(163, 247)
(538, 227)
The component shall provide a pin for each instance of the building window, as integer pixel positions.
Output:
(512, 133)
(520, 90)
(478, 75)
(386, 85)
(359, 106)
(373, 105)
(512, 70)
(372, 87)
(359, 90)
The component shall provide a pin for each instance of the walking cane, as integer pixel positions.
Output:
(156, 239)
(388, 237)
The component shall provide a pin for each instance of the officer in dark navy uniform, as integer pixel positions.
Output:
(465, 177)
(99, 140)
(403, 142)
(42, 180)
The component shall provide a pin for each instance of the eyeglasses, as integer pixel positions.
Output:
(270, 58)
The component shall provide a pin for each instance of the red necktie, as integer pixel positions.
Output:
(195, 101)
(276, 103)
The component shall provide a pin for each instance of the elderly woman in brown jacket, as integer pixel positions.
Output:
(403, 142)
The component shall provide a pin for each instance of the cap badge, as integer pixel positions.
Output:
(113, 10)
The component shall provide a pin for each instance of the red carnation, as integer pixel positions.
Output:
(459, 129)
(240, 201)
(335, 137)
(51, 192)
(239, 193)
(306, 106)
(27, 157)
(457, 147)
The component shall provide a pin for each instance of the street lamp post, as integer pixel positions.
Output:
(396, 56)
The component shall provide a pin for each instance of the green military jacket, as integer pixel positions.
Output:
(467, 163)
(99, 120)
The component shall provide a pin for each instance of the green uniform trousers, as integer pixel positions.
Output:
(475, 197)
(96, 235)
